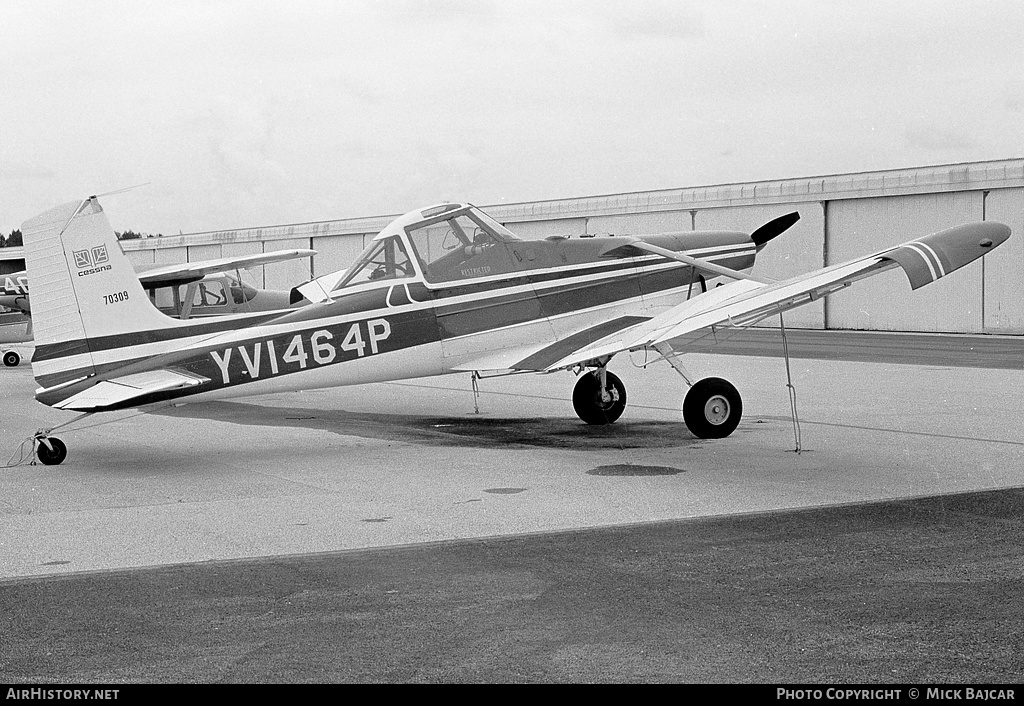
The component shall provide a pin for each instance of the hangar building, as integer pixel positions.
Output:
(843, 216)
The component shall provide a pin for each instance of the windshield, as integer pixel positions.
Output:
(381, 260)
(460, 247)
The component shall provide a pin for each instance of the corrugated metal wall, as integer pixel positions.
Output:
(842, 217)
(1004, 269)
(856, 227)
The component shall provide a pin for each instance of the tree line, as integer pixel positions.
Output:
(14, 239)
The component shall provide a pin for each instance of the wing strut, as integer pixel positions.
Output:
(669, 354)
(698, 263)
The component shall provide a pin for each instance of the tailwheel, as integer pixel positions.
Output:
(51, 451)
(597, 406)
(712, 408)
(11, 358)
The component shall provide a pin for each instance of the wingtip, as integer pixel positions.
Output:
(997, 232)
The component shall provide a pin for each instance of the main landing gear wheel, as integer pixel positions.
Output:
(52, 454)
(11, 358)
(591, 405)
(712, 408)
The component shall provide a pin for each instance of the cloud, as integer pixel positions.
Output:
(256, 113)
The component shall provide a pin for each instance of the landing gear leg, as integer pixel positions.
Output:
(50, 450)
(599, 397)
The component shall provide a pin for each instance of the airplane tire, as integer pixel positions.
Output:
(54, 457)
(11, 359)
(586, 399)
(712, 408)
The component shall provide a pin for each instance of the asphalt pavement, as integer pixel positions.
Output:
(392, 533)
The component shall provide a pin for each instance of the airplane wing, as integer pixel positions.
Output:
(129, 387)
(745, 302)
(186, 272)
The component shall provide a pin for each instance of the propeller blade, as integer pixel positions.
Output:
(773, 228)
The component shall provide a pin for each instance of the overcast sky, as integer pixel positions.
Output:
(244, 113)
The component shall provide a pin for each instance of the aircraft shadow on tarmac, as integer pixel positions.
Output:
(464, 431)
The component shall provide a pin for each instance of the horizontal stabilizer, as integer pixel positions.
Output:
(117, 391)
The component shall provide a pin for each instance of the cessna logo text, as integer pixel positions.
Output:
(292, 353)
(91, 261)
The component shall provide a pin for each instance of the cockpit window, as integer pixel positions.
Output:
(381, 260)
(206, 293)
(460, 248)
(241, 292)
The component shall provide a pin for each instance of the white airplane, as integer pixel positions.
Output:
(185, 290)
(440, 290)
(14, 291)
(15, 327)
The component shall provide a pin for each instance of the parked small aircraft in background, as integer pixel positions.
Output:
(15, 327)
(183, 291)
(440, 290)
(14, 291)
(216, 287)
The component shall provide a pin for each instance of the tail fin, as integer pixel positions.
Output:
(84, 288)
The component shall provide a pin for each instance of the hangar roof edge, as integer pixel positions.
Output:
(966, 176)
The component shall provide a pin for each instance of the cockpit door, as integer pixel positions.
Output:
(483, 293)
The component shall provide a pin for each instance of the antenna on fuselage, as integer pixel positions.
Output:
(121, 191)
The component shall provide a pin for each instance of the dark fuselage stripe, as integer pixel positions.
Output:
(209, 326)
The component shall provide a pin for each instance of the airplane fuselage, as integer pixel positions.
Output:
(516, 297)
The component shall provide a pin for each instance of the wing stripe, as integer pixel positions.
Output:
(938, 260)
(924, 256)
